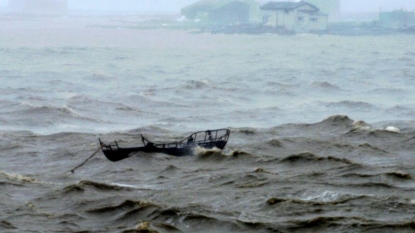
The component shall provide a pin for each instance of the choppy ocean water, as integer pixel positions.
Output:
(308, 152)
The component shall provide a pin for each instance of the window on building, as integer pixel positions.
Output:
(265, 19)
(300, 18)
(314, 19)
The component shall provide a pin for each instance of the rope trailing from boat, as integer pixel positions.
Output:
(90, 157)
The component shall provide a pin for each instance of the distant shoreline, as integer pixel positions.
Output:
(69, 29)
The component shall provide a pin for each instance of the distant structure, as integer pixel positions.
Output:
(39, 6)
(294, 16)
(330, 7)
(397, 19)
(222, 11)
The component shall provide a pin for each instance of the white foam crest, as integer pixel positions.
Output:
(200, 150)
(392, 129)
(361, 125)
(68, 110)
(141, 186)
(18, 177)
(324, 196)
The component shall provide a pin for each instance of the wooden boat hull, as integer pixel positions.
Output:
(185, 147)
(122, 153)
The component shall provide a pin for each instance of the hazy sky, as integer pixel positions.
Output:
(131, 5)
(176, 5)
(375, 5)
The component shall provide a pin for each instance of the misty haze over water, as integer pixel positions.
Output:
(141, 6)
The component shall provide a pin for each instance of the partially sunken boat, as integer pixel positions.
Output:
(206, 139)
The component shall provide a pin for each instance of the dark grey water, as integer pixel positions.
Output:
(322, 130)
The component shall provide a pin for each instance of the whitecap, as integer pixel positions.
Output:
(18, 177)
(361, 125)
(392, 129)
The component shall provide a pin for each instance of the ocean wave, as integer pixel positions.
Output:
(8, 104)
(101, 77)
(5, 225)
(389, 91)
(280, 89)
(51, 110)
(323, 222)
(14, 178)
(12, 135)
(406, 59)
(217, 155)
(352, 105)
(275, 143)
(88, 105)
(153, 227)
(373, 148)
(338, 120)
(169, 170)
(384, 133)
(66, 86)
(362, 128)
(10, 146)
(38, 115)
(214, 154)
(341, 200)
(247, 131)
(370, 184)
(396, 175)
(30, 109)
(155, 130)
(402, 110)
(196, 84)
(81, 185)
(307, 157)
(150, 217)
(388, 226)
(147, 101)
(325, 85)
(126, 206)
(73, 189)
(143, 214)
(400, 175)
(361, 125)
(241, 154)
(251, 181)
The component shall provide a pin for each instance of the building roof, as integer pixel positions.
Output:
(285, 5)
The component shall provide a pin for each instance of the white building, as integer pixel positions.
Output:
(330, 7)
(294, 16)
